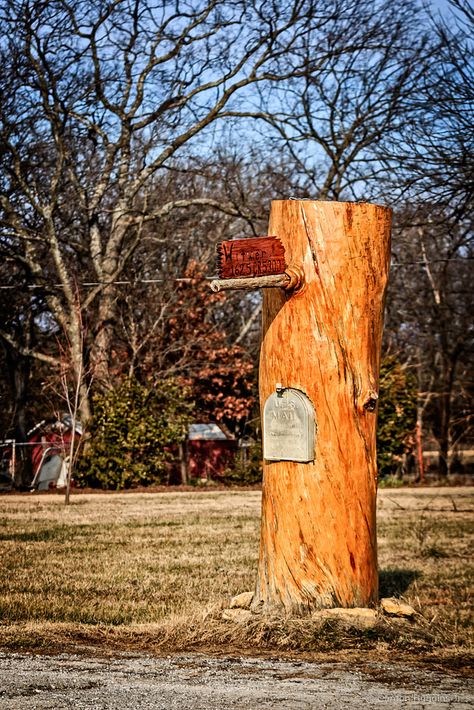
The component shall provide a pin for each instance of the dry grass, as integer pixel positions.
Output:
(151, 571)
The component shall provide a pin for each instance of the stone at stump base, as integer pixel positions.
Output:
(241, 601)
(394, 607)
(362, 618)
(359, 617)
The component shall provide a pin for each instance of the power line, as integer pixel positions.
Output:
(90, 284)
(128, 282)
(433, 261)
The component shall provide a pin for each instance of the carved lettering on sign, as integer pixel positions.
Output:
(244, 258)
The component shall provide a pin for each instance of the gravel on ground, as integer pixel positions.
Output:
(197, 682)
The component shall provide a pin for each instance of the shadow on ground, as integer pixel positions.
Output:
(395, 582)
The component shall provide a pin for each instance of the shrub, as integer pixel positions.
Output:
(396, 416)
(133, 435)
(247, 468)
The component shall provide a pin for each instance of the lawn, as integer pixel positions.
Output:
(153, 571)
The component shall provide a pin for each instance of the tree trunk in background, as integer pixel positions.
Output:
(19, 373)
(318, 534)
(183, 464)
(100, 354)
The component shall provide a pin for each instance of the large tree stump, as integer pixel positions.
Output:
(318, 535)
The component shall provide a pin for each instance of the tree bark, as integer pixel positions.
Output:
(18, 368)
(444, 440)
(318, 534)
(183, 464)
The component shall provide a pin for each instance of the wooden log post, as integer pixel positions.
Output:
(320, 355)
(324, 273)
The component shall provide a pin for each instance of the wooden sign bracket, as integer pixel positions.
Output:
(292, 279)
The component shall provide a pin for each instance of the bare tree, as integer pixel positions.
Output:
(109, 123)
(337, 125)
(100, 98)
(22, 312)
(429, 321)
(155, 271)
(393, 120)
(435, 159)
(430, 299)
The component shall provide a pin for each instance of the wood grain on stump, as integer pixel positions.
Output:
(318, 535)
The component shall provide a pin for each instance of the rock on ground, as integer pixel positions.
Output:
(360, 617)
(394, 607)
(241, 601)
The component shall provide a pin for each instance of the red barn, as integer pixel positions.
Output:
(209, 452)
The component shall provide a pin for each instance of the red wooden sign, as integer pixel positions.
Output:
(246, 258)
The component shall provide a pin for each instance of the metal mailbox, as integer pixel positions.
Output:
(289, 427)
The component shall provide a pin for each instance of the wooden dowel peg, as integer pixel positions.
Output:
(276, 281)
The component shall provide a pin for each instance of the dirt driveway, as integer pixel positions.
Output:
(196, 682)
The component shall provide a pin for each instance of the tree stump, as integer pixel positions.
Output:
(318, 532)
